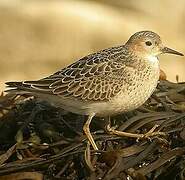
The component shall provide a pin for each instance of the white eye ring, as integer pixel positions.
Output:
(148, 43)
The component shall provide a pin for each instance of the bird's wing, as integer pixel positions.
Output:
(99, 76)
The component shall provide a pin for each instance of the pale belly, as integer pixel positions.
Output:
(124, 102)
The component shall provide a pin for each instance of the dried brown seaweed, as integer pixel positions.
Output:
(36, 137)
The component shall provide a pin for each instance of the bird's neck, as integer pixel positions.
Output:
(144, 62)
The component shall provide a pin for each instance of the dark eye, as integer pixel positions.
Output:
(148, 43)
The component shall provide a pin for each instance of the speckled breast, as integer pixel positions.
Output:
(140, 89)
(135, 93)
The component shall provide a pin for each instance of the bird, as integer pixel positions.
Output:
(108, 82)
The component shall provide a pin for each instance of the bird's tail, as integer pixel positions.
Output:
(17, 88)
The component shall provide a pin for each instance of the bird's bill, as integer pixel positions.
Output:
(171, 51)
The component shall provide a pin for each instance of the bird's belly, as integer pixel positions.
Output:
(128, 99)
(124, 102)
(134, 98)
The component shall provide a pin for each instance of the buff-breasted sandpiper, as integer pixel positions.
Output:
(108, 82)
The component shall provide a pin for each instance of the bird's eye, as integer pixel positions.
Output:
(148, 43)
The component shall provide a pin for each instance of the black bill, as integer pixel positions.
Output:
(171, 51)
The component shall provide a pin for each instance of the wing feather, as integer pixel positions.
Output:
(97, 77)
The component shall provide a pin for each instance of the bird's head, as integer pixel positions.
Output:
(148, 43)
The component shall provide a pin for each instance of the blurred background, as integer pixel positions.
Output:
(39, 37)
